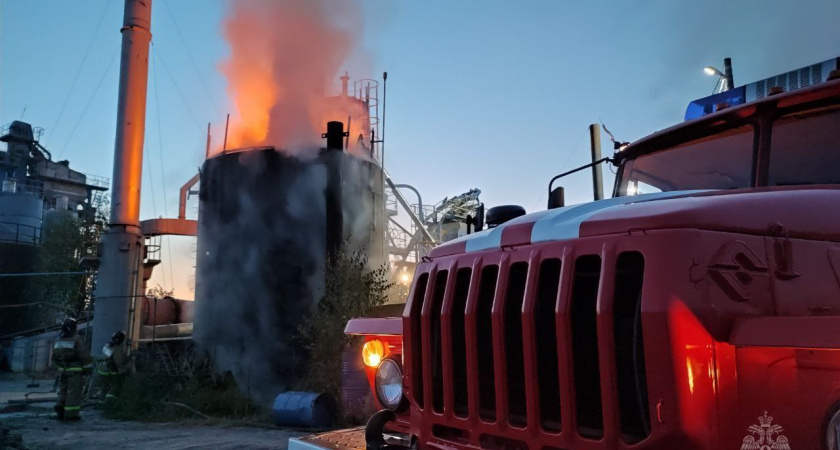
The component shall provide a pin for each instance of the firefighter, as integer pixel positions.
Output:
(73, 362)
(115, 366)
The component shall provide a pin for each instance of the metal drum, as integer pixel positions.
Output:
(304, 409)
(162, 311)
(186, 311)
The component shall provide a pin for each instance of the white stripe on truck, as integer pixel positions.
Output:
(564, 223)
(557, 224)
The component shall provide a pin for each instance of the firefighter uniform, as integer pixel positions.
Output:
(115, 367)
(72, 360)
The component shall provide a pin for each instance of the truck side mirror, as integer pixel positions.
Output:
(476, 224)
(557, 198)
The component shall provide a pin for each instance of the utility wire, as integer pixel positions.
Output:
(23, 305)
(162, 171)
(148, 158)
(572, 151)
(38, 274)
(714, 91)
(78, 72)
(151, 178)
(90, 101)
(192, 60)
(149, 165)
(171, 78)
(152, 187)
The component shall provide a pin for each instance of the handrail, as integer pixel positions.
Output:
(16, 236)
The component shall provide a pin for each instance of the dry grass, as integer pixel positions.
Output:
(156, 398)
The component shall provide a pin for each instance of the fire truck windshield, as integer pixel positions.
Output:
(720, 161)
(804, 150)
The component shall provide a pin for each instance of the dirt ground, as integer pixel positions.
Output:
(93, 432)
(36, 424)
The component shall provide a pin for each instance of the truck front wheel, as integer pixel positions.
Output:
(831, 428)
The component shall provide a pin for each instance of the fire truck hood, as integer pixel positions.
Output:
(805, 212)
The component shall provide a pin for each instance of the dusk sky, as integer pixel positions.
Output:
(492, 94)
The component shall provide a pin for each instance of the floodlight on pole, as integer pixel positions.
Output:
(724, 76)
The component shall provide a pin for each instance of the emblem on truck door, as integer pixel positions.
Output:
(765, 436)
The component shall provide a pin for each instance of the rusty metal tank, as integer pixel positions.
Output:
(162, 311)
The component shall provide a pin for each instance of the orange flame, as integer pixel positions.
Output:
(285, 59)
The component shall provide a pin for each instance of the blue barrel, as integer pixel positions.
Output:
(304, 409)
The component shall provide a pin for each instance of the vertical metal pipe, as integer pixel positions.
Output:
(224, 143)
(382, 132)
(332, 159)
(727, 74)
(597, 171)
(122, 244)
(344, 81)
(154, 320)
(207, 147)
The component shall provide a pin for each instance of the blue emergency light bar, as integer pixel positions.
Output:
(790, 81)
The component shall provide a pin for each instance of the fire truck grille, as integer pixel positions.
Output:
(586, 370)
(524, 347)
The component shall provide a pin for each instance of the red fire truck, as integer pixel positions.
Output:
(698, 308)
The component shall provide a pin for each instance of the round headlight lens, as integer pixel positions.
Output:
(389, 388)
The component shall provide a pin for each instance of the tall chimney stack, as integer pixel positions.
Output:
(120, 278)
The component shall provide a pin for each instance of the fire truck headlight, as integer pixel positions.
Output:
(389, 388)
(373, 352)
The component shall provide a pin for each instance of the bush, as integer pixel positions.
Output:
(152, 398)
(351, 290)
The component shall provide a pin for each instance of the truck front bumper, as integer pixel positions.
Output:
(347, 439)
(351, 438)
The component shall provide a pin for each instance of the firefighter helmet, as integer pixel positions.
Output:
(68, 328)
(117, 339)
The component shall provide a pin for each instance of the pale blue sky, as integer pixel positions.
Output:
(489, 94)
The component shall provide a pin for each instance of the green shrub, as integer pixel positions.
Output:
(351, 290)
(153, 398)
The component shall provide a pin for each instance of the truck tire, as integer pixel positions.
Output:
(831, 428)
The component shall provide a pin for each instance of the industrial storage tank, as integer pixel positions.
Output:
(261, 254)
(158, 311)
(20, 215)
